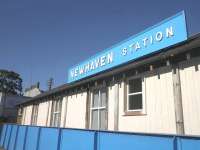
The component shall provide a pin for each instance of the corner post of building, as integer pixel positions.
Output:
(87, 115)
(65, 113)
(178, 100)
(116, 106)
(48, 110)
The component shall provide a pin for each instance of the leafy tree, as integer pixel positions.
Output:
(10, 82)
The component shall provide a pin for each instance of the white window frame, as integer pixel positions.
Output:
(143, 92)
(57, 112)
(20, 115)
(97, 108)
(34, 116)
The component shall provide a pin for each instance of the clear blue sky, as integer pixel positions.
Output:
(40, 39)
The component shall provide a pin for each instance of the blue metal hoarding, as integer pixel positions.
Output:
(164, 34)
(19, 137)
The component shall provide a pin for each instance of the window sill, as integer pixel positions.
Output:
(134, 113)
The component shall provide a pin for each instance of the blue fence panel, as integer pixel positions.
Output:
(12, 137)
(3, 134)
(20, 138)
(32, 138)
(48, 139)
(77, 140)
(117, 141)
(1, 128)
(8, 132)
(16, 137)
(188, 143)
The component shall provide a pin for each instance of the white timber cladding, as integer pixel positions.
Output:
(27, 115)
(23, 115)
(48, 119)
(190, 87)
(42, 113)
(76, 110)
(111, 104)
(63, 112)
(160, 115)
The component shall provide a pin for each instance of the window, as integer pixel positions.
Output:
(99, 109)
(20, 111)
(34, 114)
(20, 114)
(56, 113)
(135, 96)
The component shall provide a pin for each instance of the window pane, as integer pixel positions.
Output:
(94, 119)
(103, 123)
(103, 98)
(57, 105)
(57, 120)
(135, 85)
(34, 115)
(95, 98)
(56, 112)
(135, 102)
(60, 105)
(54, 106)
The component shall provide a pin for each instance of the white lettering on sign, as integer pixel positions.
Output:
(159, 36)
(146, 41)
(108, 58)
(169, 32)
(94, 64)
(164, 34)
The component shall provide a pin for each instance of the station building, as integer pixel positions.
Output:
(149, 83)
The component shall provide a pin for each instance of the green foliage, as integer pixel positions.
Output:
(10, 82)
(3, 120)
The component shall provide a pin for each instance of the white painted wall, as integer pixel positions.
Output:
(160, 115)
(111, 104)
(76, 110)
(49, 113)
(190, 86)
(42, 113)
(63, 112)
(27, 115)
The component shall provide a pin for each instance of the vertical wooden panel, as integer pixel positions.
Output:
(190, 85)
(160, 115)
(87, 115)
(27, 119)
(178, 101)
(63, 112)
(76, 110)
(111, 106)
(42, 113)
(116, 107)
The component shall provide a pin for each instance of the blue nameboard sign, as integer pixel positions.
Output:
(168, 32)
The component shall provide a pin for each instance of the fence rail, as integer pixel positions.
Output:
(19, 137)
